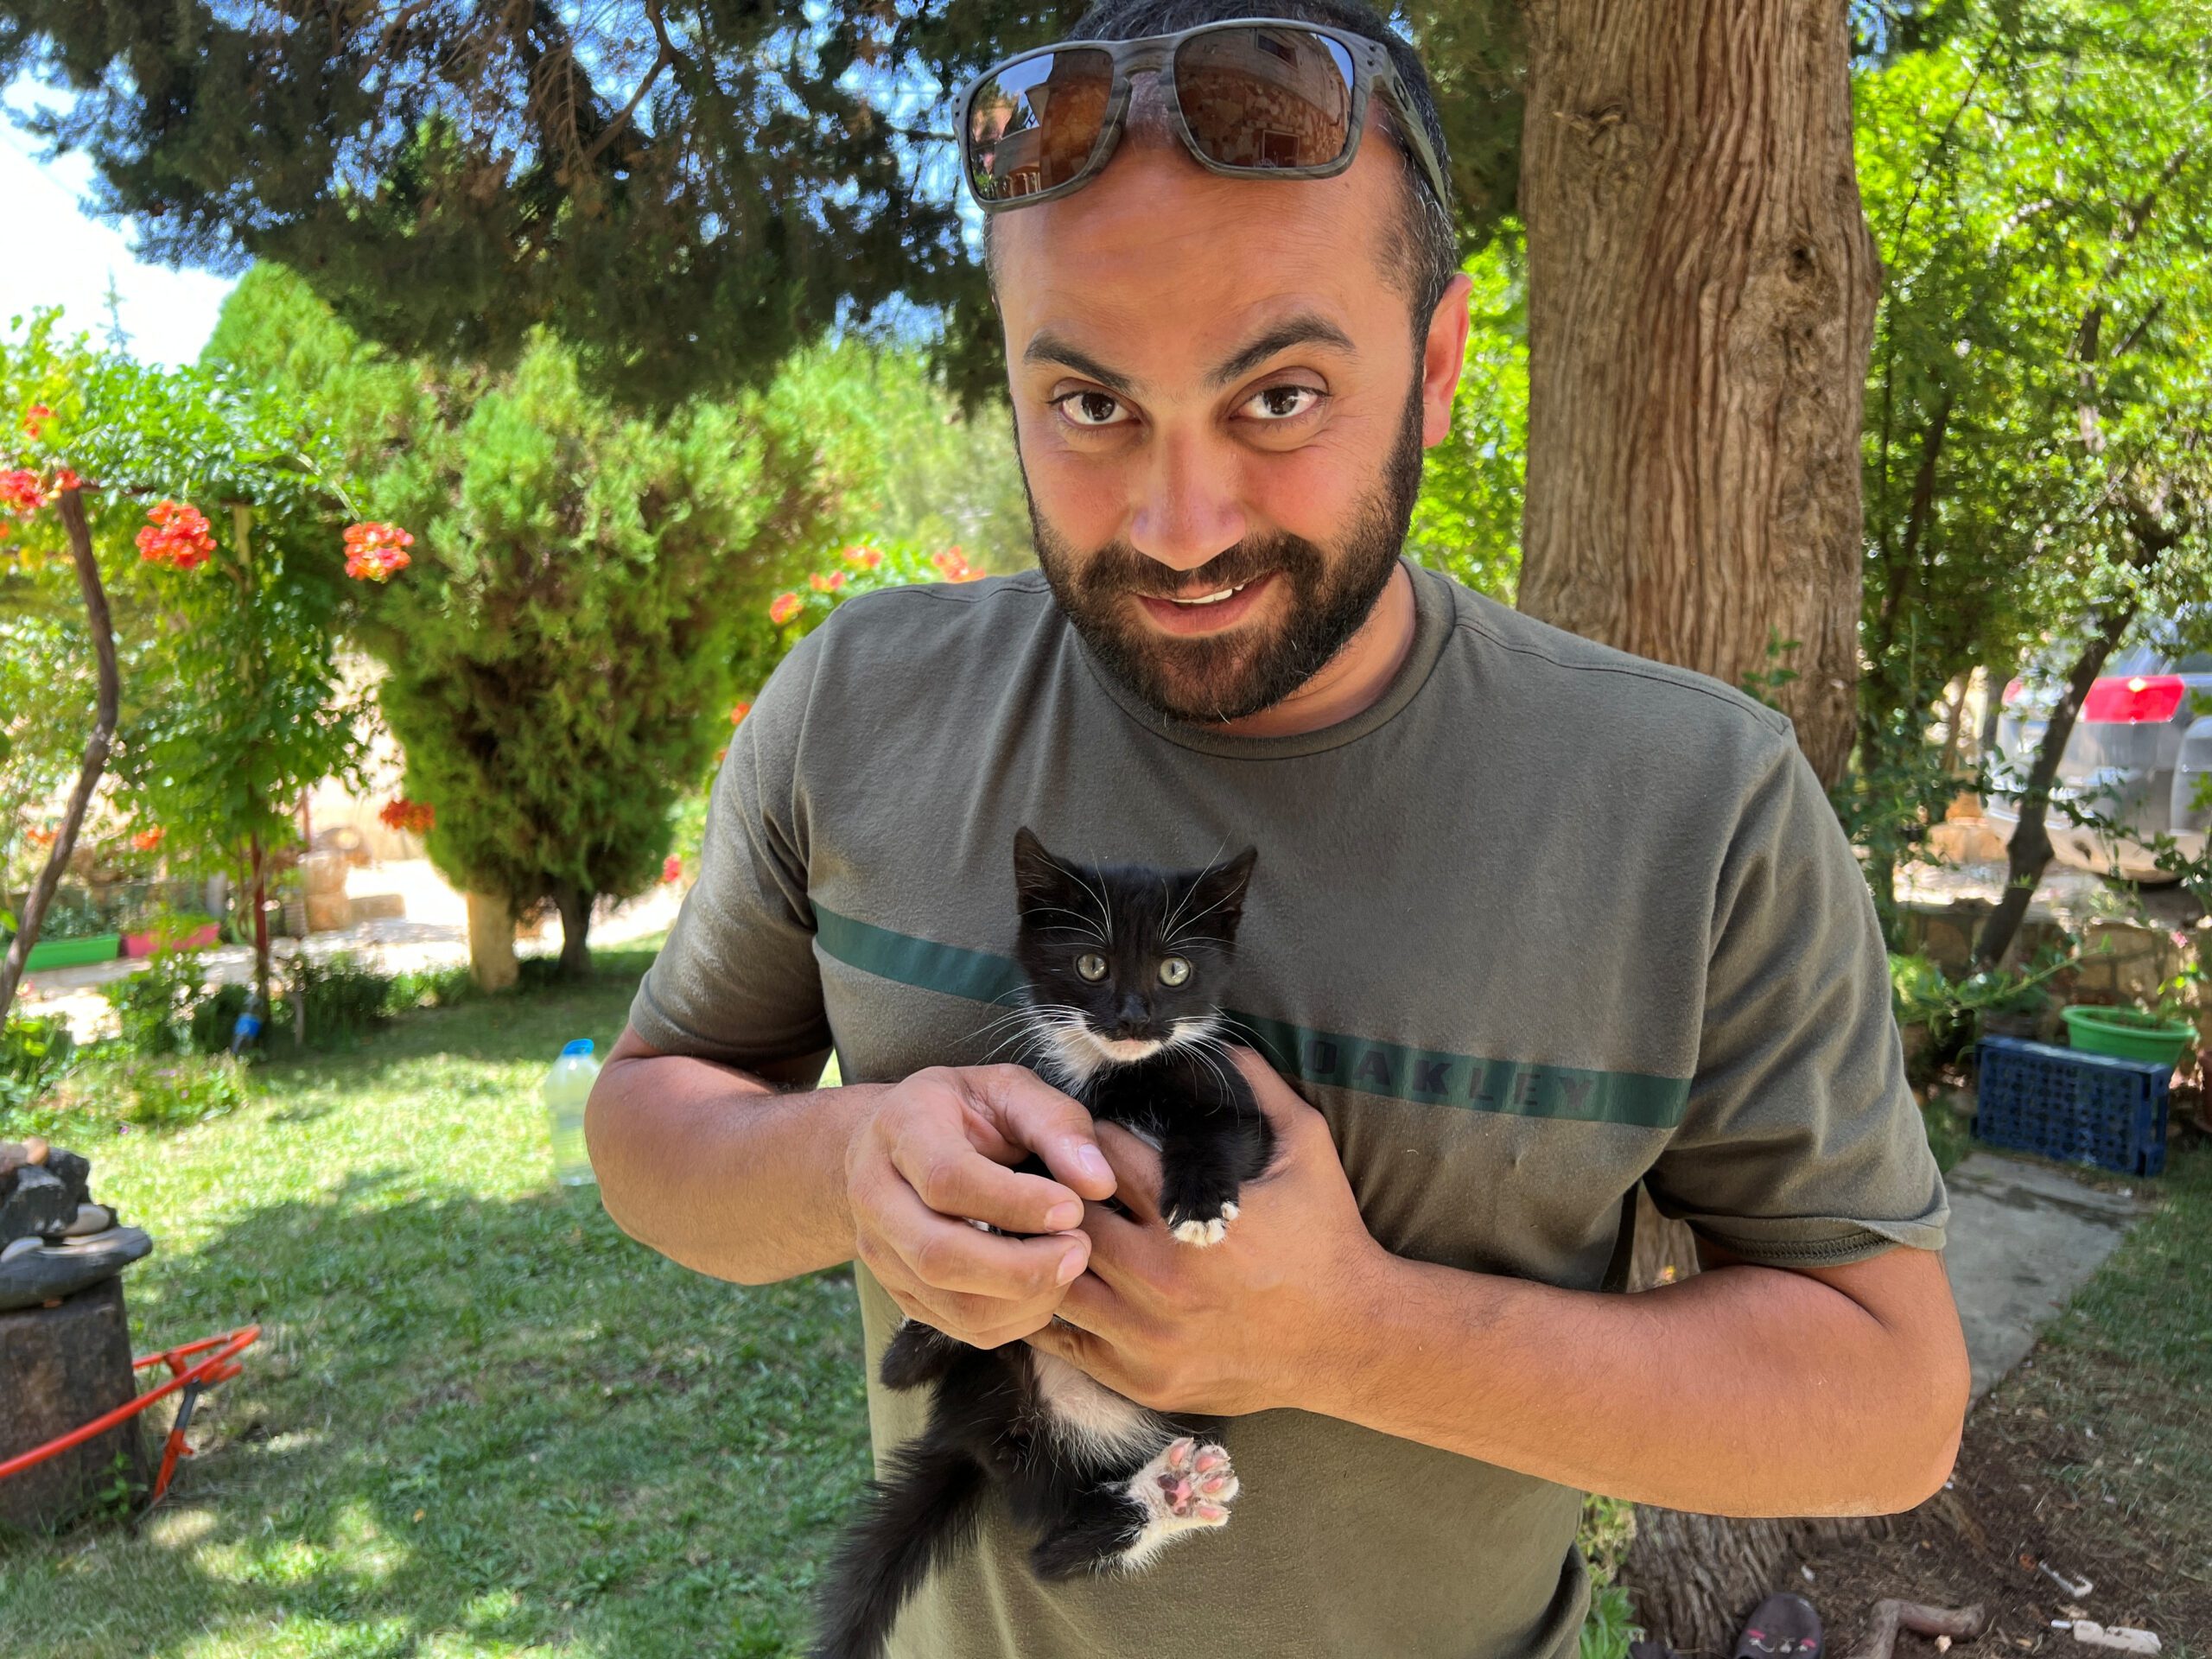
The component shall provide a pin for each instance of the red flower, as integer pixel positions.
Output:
(739, 712)
(377, 552)
(65, 480)
(784, 606)
(176, 536)
(33, 416)
(672, 869)
(952, 564)
(864, 556)
(400, 813)
(146, 840)
(826, 581)
(21, 490)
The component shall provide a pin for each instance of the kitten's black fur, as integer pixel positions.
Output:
(1097, 1480)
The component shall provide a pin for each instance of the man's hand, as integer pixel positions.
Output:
(1243, 1326)
(932, 1155)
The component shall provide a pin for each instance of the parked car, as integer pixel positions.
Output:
(2139, 749)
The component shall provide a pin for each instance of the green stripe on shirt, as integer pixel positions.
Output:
(1428, 1077)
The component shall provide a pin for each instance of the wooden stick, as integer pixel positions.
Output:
(1892, 1615)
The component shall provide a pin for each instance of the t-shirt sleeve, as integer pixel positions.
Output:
(1802, 1144)
(736, 981)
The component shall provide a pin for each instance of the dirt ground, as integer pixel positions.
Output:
(2095, 1457)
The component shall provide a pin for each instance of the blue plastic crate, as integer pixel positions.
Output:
(2081, 1109)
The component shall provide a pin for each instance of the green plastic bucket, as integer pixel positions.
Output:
(2128, 1034)
(72, 953)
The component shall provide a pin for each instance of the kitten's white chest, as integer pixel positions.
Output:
(1090, 1420)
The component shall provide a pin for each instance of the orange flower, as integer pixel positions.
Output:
(33, 416)
(146, 840)
(783, 607)
(41, 837)
(400, 813)
(672, 869)
(739, 712)
(65, 480)
(376, 552)
(826, 581)
(952, 564)
(177, 535)
(864, 556)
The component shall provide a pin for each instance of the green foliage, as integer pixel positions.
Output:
(36, 1053)
(156, 1007)
(685, 192)
(1467, 520)
(559, 656)
(863, 566)
(177, 1092)
(1956, 1012)
(345, 998)
(1610, 1626)
(2039, 184)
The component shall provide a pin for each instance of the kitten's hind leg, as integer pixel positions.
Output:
(1122, 1523)
(918, 1353)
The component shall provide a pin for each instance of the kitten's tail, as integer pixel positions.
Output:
(915, 1520)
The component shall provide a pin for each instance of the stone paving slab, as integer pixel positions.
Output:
(2023, 1236)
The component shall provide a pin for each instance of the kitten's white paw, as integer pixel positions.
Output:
(1229, 1212)
(1188, 1487)
(1205, 1232)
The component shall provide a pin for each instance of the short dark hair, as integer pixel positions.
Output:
(1422, 251)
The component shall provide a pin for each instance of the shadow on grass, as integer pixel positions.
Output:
(472, 1425)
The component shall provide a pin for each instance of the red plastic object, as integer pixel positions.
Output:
(141, 944)
(2133, 702)
(216, 1367)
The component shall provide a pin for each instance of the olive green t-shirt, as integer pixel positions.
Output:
(1544, 922)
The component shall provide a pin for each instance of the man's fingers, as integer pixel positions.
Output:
(1030, 1112)
(950, 1255)
(953, 1178)
(1136, 1171)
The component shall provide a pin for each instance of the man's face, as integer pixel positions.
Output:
(1221, 407)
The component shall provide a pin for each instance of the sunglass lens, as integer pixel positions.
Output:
(1264, 97)
(1034, 124)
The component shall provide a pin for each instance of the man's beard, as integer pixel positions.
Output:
(1224, 677)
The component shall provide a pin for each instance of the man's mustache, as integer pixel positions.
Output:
(1122, 569)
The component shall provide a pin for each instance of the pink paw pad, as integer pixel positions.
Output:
(1197, 1481)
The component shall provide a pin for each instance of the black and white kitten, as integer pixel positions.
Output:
(1125, 965)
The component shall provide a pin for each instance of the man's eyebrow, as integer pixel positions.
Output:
(1305, 327)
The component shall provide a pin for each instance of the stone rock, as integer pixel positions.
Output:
(90, 1218)
(69, 1265)
(36, 1202)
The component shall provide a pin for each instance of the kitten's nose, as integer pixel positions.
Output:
(1132, 1017)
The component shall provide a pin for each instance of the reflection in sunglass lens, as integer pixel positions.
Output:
(1035, 124)
(1262, 98)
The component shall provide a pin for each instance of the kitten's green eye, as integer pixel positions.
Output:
(1091, 966)
(1174, 971)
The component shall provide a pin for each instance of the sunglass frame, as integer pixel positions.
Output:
(1371, 66)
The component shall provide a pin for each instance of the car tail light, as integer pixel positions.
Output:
(2144, 697)
(2013, 689)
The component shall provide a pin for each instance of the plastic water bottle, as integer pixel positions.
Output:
(568, 1085)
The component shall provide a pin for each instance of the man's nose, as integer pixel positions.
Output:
(1189, 512)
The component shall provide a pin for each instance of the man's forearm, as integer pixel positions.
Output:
(1744, 1390)
(714, 1168)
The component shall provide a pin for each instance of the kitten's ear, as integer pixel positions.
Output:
(1038, 878)
(1218, 895)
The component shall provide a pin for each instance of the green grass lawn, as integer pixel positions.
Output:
(480, 1419)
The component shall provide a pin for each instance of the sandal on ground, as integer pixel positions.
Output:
(1781, 1627)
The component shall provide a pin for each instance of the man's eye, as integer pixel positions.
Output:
(1278, 404)
(1089, 409)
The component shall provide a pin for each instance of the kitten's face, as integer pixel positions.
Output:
(1124, 960)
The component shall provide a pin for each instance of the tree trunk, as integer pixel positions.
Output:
(1701, 290)
(2030, 851)
(61, 1366)
(575, 904)
(97, 747)
(491, 941)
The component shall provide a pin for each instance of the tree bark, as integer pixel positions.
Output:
(575, 904)
(98, 746)
(61, 1367)
(492, 962)
(1701, 291)
(2028, 855)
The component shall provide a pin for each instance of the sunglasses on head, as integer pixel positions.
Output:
(1249, 97)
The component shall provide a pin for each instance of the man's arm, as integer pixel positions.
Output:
(714, 1168)
(1745, 1390)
